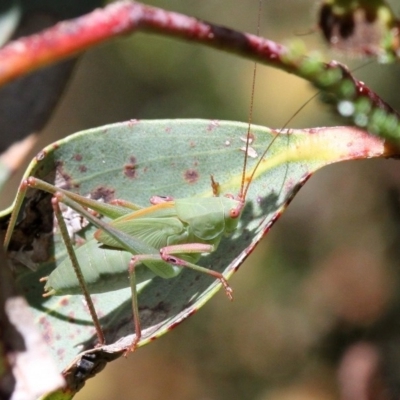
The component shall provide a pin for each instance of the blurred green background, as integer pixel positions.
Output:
(315, 308)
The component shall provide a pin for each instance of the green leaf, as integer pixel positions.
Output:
(135, 160)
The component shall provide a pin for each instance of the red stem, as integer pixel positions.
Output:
(71, 37)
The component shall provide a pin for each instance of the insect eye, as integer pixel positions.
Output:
(234, 213)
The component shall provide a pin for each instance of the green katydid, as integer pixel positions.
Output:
(166, 236)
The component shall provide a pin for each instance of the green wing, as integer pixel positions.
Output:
(155, 232)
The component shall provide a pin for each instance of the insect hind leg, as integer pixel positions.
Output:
(55, 202)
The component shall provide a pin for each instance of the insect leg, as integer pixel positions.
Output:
(135, 260)
(125, 204)
(74, 261)
(167, 255)
(23, 187)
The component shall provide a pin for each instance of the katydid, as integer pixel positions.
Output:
(166, 236)
(160, 239)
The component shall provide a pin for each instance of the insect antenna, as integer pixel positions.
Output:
(244, 193)
(243, 188)
(246, 181)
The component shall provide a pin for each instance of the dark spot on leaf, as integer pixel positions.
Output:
(65, 301)
(82, 168)
(130, 171)
(78, 157)
(65, 180)
(191, 176)
(60, 352)
(46, 327)
(104, 193)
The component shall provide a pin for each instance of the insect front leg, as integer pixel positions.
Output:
(167, 254)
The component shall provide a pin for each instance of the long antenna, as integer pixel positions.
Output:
(243, 186)
(243, 189)
(273, 140)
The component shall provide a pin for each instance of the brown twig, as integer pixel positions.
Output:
(71, 37)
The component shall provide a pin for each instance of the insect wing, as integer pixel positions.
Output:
(105, 270)
(155, 232)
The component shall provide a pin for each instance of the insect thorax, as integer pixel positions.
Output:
(208, 217)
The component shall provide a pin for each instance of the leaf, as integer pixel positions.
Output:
(135, 160)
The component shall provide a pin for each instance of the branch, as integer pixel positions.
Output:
(355, 100)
